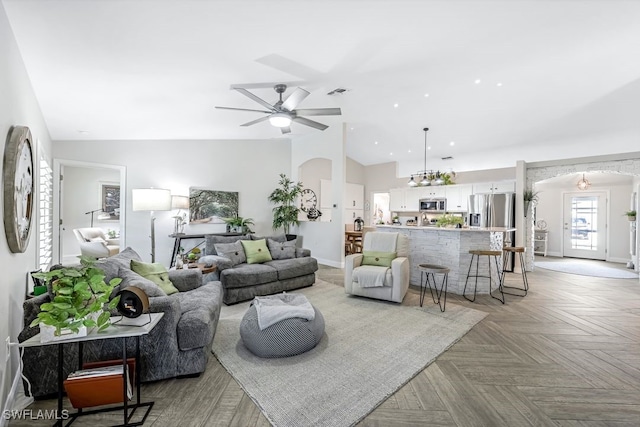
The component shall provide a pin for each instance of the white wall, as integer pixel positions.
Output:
(251, 168)
(325, 239)
(18, 106)
(82, 193)
(550, 207)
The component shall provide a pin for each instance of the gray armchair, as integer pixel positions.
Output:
(396, 278)
(94, 243)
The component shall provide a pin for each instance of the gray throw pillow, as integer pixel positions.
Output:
(282, 250)
(233, 251)
(212, 239)
(131, 278)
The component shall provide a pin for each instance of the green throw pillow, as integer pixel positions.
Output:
(381, 259)
(155, 272)
(256, 251)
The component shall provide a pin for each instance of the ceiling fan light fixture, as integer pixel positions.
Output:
(280, 120)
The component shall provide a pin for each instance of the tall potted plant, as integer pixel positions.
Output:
(285, 213)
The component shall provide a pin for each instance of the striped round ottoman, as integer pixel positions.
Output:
(286, 338)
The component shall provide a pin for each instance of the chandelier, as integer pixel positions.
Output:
(429, 177)
(584, 183)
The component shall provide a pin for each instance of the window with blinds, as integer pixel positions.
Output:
(45, 214)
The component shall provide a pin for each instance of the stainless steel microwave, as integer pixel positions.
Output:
(433, 205)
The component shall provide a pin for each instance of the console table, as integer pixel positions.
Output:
(183, 236)
(125, 328)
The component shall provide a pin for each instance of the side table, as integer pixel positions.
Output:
(125, 328)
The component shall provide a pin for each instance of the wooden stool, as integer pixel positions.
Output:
(431, 270)
(478, 253)
(520, 251)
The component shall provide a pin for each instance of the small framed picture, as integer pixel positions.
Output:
(110, 196)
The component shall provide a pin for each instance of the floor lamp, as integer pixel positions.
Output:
(151, 199)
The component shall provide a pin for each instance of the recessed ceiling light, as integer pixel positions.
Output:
(351, 128)
(452, 143)
(498, 84)
(391, 154)
(376, 142)
(428, 148)
(426, 95)
(477, 81)
(83, 132)
(408, 151)
(395, 105)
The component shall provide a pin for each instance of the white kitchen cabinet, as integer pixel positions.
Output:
(458, 197)
(434, 192)
(396, 200)
(351, 214)
(405, 199)
(494, 187)
(354, 196)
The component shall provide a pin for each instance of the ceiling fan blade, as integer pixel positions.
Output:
(243, 109)
(311, 123)
(255, 98)
(294, 99)
(285, 130)
(318, 112)
(253, 122)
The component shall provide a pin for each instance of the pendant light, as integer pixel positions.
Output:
(584, 183)
(425, 181)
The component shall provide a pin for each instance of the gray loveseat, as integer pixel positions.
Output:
(179, 345)
(242, 281)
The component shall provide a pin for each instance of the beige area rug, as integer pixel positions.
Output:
(370, 349)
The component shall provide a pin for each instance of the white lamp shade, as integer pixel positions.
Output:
(179, 202)
(151, 199)
(280, 120)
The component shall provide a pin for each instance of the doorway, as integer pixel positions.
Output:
(585, 225)
(83, 197)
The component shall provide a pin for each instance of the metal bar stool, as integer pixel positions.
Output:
(476, 253)
(431, 270)
(525, 282)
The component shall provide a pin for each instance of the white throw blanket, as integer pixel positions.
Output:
(381, 242)
(369, 276)
(274, 308)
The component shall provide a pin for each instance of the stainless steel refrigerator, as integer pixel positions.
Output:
(494, 210)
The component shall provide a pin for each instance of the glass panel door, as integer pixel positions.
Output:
(585, 225)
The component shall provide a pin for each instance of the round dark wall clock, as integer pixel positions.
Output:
(308, 200)
(18, 188)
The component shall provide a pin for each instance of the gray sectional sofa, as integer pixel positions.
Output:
(242, 281)
(179, 345)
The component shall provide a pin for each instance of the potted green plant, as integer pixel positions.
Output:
(631, 215)
(80, 300)
(285, 213)
(193, 255)
(529, 196)
(239, 224)
(449, 220)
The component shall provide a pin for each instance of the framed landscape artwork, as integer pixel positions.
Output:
(211, 206)
(110, 196)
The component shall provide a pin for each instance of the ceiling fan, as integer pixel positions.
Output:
(283, 112)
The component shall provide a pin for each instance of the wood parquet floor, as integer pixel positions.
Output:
(567, 354)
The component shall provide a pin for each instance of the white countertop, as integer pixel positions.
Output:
(432, 228)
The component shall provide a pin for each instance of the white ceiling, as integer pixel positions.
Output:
(550, 72)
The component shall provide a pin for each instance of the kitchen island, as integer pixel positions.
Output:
(449, 247)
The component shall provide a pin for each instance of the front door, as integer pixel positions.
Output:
(585, 225)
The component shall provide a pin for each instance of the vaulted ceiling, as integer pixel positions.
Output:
(495, 81)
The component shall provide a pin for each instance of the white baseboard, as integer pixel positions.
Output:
(619, 260)
(330, 263)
